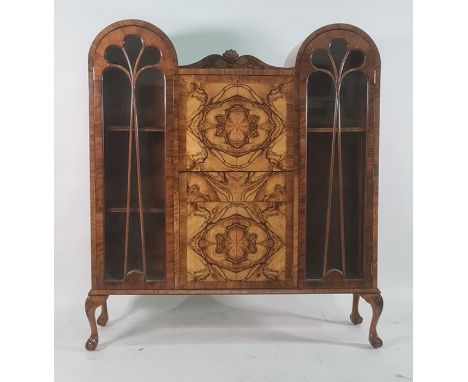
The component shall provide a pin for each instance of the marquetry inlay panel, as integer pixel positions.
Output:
(235, 126)
(236, 186)
(236, 241)
(236, 181)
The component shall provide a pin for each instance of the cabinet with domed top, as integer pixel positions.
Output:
(230, 175)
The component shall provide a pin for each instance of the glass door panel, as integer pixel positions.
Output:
(134, 162)
(320, 101)
(353, 100)
(337, 99)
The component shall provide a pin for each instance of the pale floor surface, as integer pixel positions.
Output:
(234, 338)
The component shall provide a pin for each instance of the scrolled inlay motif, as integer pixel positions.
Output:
(235, 127)
(236, 241)
(236, 186)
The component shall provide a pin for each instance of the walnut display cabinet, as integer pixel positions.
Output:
(231, 176)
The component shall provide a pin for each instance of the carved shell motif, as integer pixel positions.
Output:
(230, 55)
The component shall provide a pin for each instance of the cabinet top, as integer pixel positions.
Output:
(230, 59)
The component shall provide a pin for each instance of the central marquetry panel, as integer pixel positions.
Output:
(235, 182)
(236, 242)
(235, 126)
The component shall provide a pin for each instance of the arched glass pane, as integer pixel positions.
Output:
(353, 100)
(150, 99)
(116, 98)
(354, 60)
(320, 100)
(150, 56)
(132, 45)
(115, 55)
(338, 48)
(321, 60)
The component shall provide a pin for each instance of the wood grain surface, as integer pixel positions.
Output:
(236, 179)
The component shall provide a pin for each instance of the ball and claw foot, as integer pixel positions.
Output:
(91, 343)
(355, 317)
(375, 341)
(92, 303)
(104, 316)
(376, 302)
(102, 320)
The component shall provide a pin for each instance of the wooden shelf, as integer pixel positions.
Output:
(136, 210)
(330, 130)
(145, 129)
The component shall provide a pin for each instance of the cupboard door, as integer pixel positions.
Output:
(235, 245)
(339, 71)
(131, 64)
(237, 125)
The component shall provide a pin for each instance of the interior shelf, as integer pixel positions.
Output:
(146, 129)
(136, 210)
(330, 130)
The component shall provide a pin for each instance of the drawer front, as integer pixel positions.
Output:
(236, 186)
(235, 245)
(236, 126)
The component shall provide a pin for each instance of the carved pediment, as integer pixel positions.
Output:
(230, 59)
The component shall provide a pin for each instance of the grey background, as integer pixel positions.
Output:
(269, 30)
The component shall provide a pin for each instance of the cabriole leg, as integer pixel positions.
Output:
(92, 303)
(355, 317)
(104, 316)
(376, 302)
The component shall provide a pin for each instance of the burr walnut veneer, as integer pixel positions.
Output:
(230, 175)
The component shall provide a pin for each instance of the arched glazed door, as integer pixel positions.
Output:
(131, 69)
(338, 69)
